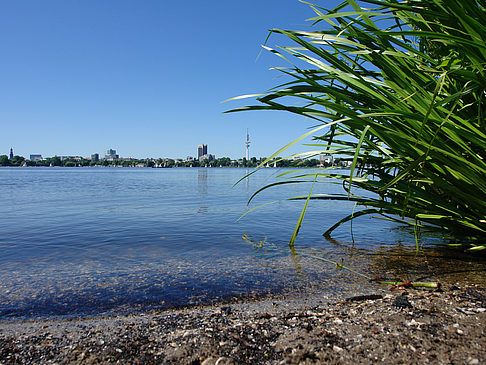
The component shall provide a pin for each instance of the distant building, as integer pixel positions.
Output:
(35, 157)
(206, 157)
(77, 158)
(326, 160)
(95, 157)
(111, 155)
(202, 149)
(11, 153)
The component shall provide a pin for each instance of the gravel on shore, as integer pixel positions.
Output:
(419, 326)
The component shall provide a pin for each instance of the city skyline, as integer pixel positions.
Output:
(111, 157)
(84, 75)
(110, 154)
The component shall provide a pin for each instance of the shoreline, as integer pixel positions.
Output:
(423, 326)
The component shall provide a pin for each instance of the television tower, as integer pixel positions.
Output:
(247, 145)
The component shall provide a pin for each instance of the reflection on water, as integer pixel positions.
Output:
(203, 210)
(202, 187)
(202, 181)
(103, 240)
(247, 182)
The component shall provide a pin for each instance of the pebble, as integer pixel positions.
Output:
(223, 361)
(413, 322)
(402, 302)
(209, 361)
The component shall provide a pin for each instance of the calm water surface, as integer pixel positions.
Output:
(95, 241)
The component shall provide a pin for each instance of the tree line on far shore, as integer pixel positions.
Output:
(15, 161)
(166, 162)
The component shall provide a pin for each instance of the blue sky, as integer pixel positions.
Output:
(146, 78)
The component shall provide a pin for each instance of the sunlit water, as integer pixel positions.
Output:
(95, 241)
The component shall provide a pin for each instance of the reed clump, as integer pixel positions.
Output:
(398, 89)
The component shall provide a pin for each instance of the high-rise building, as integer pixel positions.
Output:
(202, 149)
(95, 157)
(111, 155)
(11, 153)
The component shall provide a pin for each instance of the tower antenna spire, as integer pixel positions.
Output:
(247, 143)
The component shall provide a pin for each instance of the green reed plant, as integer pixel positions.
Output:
(398, 89)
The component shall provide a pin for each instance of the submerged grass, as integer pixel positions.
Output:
(398, 89)
(339, 265)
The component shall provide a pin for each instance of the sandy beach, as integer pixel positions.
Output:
(394, 327)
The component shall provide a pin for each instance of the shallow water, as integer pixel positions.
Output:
(96, 241)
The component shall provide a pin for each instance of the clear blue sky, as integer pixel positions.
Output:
(146, 78)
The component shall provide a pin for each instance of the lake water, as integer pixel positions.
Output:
(96, 241)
